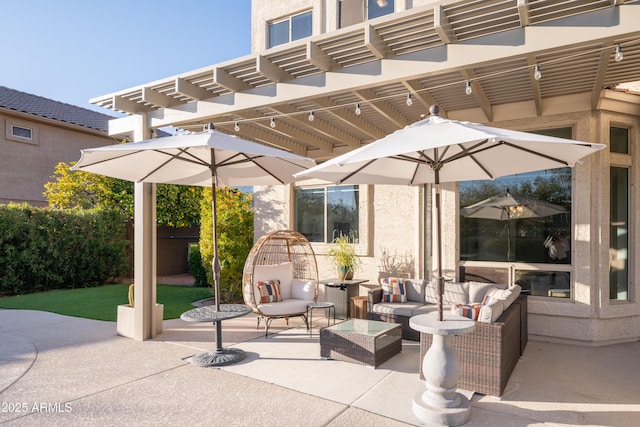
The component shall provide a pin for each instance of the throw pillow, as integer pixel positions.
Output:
(492, 294)
(467, 310)
(394, 290)
(490, 312)
(269, 291)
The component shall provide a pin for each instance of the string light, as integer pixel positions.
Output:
(468, 90)
(236, 126)
(618, 57)
(536, 73)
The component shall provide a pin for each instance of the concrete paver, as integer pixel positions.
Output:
(59, 370)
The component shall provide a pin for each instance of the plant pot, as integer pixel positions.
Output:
(126, 320)
(344, 273)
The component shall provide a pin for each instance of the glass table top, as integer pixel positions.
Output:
(363, 327)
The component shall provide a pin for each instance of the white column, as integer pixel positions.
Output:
(144, 251)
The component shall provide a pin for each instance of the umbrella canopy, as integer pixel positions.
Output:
(209, 158)
(436, 150)
(505, 207)
(195, 159)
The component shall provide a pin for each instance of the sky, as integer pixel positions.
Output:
(75, 50)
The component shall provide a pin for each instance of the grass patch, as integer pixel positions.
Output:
(101, 303)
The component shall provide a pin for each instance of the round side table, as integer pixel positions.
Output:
(327, 306)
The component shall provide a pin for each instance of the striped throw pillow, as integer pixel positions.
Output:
(269, 291)
(467, 310)
(394, 290)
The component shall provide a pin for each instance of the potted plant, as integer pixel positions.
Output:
(343, 256)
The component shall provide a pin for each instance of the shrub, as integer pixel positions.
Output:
(196, 266)
(43, 249)
(235, 239)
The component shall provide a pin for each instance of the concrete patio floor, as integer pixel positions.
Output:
(59, 370)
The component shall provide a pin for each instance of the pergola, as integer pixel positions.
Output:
(327, 94)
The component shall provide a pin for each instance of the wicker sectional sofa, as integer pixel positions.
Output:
(488, 355)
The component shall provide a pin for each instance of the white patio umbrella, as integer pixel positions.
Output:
(507, 207)
(436, 150)
(209, 158)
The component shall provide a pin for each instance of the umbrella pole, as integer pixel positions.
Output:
(215, 262)
(439, 278)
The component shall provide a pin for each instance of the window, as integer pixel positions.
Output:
(290, 28)
(322, 214)
(352, 12)
(21, 132)
(619, 214)
(541, 240)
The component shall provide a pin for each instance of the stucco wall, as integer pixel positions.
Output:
(26, 167)
(325, 16)
(390, 228)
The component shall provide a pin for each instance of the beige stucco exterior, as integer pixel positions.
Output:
(25, 166)
(458, 45)
(392, 227)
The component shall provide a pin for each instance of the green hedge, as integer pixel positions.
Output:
(43, 249)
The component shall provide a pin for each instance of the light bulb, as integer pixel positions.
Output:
(468, 90)
(358, 111)
(273, 122)
(236, 126)
(409, 100)
(311, 116)
(536, 73)
(618, 57)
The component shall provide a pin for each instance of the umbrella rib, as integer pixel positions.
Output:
(172, 157)
(545, 156)
(356, 171)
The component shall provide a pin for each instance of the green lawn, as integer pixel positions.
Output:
(101, 303)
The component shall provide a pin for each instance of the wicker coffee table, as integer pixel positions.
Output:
(367, 342)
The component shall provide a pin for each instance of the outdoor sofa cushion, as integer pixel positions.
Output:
(282, 272)
(394, 290)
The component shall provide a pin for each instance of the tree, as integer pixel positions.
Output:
(177, 205)
(235, 238)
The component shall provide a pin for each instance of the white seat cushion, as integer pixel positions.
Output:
(282, 272)
(287, 306)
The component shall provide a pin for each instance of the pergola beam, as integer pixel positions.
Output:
(271, 71)
(183, 87)
(320, 126)
(156, 98)
(281, 133)
(382, 107)
(530, 40)
(121, 103)
(442, 26)
(227, 81)
(348, 116)
(478, 93)
(320, 59)
(535, 85)
(376, 44)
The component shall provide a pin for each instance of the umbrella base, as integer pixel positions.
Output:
(225, 356)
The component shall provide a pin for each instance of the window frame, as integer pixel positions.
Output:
(364, 208)
(11, 136)
(512, 268)
(623, 161)
(289, 20)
